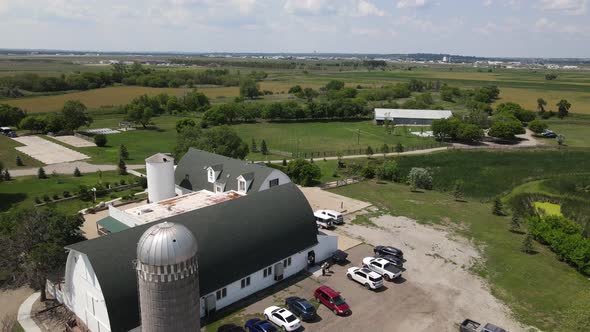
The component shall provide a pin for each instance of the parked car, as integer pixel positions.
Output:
(323, 221)
(339, 256)
(469, 325)
(230, 328)
(337, 216)
(282, 317)
(301, 307)
(383, 267)
(389, 250)
(259, 325)
(332, 299)
(12, 134)
(392, 259)
(366, 277)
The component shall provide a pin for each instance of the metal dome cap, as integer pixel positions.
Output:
(166, 244)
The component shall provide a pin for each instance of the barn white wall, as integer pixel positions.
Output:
(275, 174)
(83, 295)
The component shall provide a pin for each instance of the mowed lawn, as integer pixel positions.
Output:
(8, 154)
(22, 191)
(538, 288)
(328, 136)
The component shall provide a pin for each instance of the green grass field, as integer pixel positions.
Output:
(538, 287)
(22, 191)
(549, 208)
(8, 154)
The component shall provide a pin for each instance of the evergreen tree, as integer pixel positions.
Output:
(263, 148)
(369, 151)
(515, 223)
(122, 168)
(399, 148)
(284, 162)
(527, 244)
(254, 147)
(19, 161)
(458, 190)
(498, 208)
(41, 173)
(6, 176)
(123, 152)
(385, 149)
(77, 172)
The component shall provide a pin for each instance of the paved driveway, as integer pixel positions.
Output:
(47, 152)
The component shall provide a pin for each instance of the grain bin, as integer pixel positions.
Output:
(160, 177)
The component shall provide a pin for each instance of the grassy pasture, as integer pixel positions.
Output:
(549, 208)
(527, 283)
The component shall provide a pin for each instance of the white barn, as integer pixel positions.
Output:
(410, 117)
(247, 241)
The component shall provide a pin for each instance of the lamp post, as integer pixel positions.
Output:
(94, 191)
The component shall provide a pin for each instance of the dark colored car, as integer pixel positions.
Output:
(259, 325)
(339, 256)
(332, 299)
(301, 307)
(230, 328)
(389, 250)
(549, 135)
(393, 260)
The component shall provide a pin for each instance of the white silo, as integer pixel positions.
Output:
(168, 279)
(160, 177)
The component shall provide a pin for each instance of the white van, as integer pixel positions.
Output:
(337, 216)
(323, 221)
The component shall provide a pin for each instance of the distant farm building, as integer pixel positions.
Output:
(410, 117)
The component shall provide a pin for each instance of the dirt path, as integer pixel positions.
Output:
(437, 264)
(68, 168)
(11, 299)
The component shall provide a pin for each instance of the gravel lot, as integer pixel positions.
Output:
(74, 141)
(47, 152)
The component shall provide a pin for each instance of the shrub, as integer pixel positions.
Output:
(420, 178)
(303, 172)
(100, 140)
(123, 182)
(122, 168)
(55, 197)
(46, 198)
(399, 148)
(38, 200)
(537, 126)
(368, 172)
(369, 151)
(77, 172)
(389, 170)
(41, 173)
(19, 161)
(498, 208)
(143, 182)
(66, 194)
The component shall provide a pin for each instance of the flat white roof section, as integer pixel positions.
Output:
(179, 205)
(389, 113)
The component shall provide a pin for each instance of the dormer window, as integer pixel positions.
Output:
(211, 175)
(242, 186)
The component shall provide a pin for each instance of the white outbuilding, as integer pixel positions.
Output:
(410, 117)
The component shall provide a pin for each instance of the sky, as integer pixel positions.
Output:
(496, 28)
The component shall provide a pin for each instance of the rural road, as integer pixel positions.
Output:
(69, 167)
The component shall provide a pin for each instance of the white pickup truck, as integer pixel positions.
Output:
(383, 267)
(366, 277)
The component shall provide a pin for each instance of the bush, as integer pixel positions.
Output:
(77, 172)
(19, 161)
(389, 170)
(55, 197)
(66, 194)
(303, 172)
(46, 198)
(100, 140)
(143, 182)
(538, 126)
(123, 182)
(41, 173)
(420, 178)
(38, 200)
(368, 172)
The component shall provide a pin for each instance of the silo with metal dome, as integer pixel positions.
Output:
(168, 279)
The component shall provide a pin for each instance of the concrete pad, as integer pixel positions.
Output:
(24, 314)
(74, 141)
(321, 199)
(47, 152)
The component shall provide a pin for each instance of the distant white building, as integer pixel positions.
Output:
(410, 117)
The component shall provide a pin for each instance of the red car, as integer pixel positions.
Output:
(332, 299)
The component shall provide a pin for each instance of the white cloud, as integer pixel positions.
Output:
(244, 6)
(365, 8)
(309, 7)
(570, 7)
(487, 3)
(545, 25)
(411, 3)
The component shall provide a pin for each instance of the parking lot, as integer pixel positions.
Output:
(47, 152)
(435, 292)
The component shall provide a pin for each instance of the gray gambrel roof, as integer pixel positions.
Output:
(235, 239)
(191, 172)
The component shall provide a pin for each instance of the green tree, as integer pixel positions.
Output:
(527, 244)
(6, 175)
(541, 103)
(469, 133)
(100, 140)
(369, 151)
(458, 190)
(303, 172)
(399, 148)
(249, 88)
(123, 152)
(310, 94)
(385, 149)
(184, 123)
(515, 223)
(33, 242)
(77, 172)
(41, 173)
(74, 115)
(195, 101)
(563, 107)
(506, 128)
(220, 140)
(254, 148)
(538, 126)
(560, 139)
(420, 178)
(19, 161)
(121, 167)
(498, 207)
(140, 116)
(389, 170)
(334, 85)
(263, 148)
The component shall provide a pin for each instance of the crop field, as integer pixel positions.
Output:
(527, 283)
